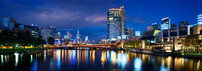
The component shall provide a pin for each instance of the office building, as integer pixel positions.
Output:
(9, 22)
(52, 31)
(155, 26)
(43, 33)
(138, 33)
(130, 32)
(184, 23)
(86, 39)
(173, 26)
(165, 23)
(5, 22)
(69, 35)
(149, 28)
(78, 37)
(116, 23)
(200, 19)
(34, 30)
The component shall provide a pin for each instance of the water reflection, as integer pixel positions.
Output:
(16, 58)
(2, 60)
(122, 60)
(34, 65)
(103, 58)
(84, 59)
(137, 64)
(31, 58)
(58, 59)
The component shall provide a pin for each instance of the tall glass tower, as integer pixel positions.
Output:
(200, 19)
(165, 23)
(78, 37)
(116, 23)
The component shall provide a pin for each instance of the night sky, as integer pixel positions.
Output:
(90, 16)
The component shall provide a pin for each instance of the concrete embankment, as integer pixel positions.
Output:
(149, 52)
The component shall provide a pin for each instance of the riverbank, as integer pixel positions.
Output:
(19, 50)
(173, 54)
(141, 51)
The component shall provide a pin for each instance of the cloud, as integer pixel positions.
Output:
(141, 20)
(64, 14)
(96, 18)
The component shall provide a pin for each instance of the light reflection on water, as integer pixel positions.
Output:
(61, 59)
(137, 64)
(16, 58)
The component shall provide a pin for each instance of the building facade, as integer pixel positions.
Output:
(116, 23)
(130, 33)
(52, 31)
(78, 37)
(165, 23)
(200, 19)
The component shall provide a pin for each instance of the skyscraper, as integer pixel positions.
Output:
(78, 37)
(116, 23)
(52, 31)
(173, 26)
(137, 33)
(130, 32)
(5, 22)
(200, 19)
(86, 39)
(43, 33)
(165, 23)
(149, 28)
(184, 24)
(155, 26)
(9, 22)
(69, 35)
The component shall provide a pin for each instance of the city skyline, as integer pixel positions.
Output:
(100, 35)
(94, 17)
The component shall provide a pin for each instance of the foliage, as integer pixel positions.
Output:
(192, 41)
(133, 44)
(22, 38)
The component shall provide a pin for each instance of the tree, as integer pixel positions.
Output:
(51, 40)
(19, 37)
(184, 44)
(193, 41)
(134, 44)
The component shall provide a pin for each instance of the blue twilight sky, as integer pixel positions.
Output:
(90, 16)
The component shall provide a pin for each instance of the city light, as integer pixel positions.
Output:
(16, 58)
(100, 35)
(138, 64)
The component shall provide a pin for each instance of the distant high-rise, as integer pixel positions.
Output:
(5, 22)
(116, 23)
(149, 28)
(9, 22)
(138, 33)
(86, 39)
(165, 23)
(156, 26)
(173, 26)
(200, 19)
(69, 35)
(130, 32)
(43, 33)
(52, 31)
(184, 24)
(78, 37)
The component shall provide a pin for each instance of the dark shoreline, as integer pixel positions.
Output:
(21, 50)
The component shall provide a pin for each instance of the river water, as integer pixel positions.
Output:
(94, 60)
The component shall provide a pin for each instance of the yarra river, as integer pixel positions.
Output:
(94, 60)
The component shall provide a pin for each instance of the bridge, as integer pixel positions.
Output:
(94, 46)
